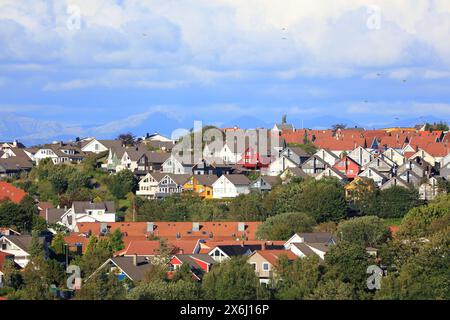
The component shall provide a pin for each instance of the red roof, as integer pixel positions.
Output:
(273, 256)
(8, 191)
(149, 248)
(226, 230)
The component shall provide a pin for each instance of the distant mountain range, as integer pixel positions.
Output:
(33, 131)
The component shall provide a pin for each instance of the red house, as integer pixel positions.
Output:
(349, 167)
(199, 264)
(253, 160)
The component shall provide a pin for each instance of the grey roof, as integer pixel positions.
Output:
(297, 172)
(307, 251)
(126, 264)
(299, 151)
(271, 180)
(317, 237)
(239, 249)
(23, 241)
(320, 246)
(157, 157)
(83, 206)
(238, 179)
(157, 175)
(54, 215)
(206, 179)
(179, 179)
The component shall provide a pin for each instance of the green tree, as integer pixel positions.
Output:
(234, 279)
(348, 263)
(285, 225)
(116, 240)
(160, 290)
(102, 286)
(368, 231)
(298, 280)
(122, 183)
(396, 201)
(333, 290)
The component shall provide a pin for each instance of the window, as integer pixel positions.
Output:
(254, 266)
(266, 266)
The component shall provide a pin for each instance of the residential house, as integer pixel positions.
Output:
(148, 185)
(210, 167)
(287, 175)
(394, 156)
(361, 156)
(381, 165)
(19, 246)
(326, 155)
(201, 184)
(265, 183)
(175, 165)
(58, 153)
(279, 165)
(223, 252)
(332, 173)
(349, 167)
(377, 177)
(93, 145)
(171, 184)
(231, 186)
(132, 268)
(296, 155)
(395, 181)
(85, 211)
(445, 172)
(429, 190)
(417, 165)
(199, 264)
(307, 244)
(314, 165)
(265, 262)
(421, 153)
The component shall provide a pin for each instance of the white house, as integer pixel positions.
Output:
(361, 156)
(175, 165)
(394, 156)
(230, 186)
(280, 165)
(83, 211)
(99, 146)
(148, 185)
(329, 157)
(376, 176)
(19, 247)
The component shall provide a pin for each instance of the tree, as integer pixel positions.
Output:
(323, 199)
(440, 126)
(122, 183)
(298, 280)
(396, 201)
(97, 252)
(285, 225)
(128, 139)
(348, 263)
(367, 231)
(159, 290)
(102, 286)
(333, 290)
(234, 279)
(421, 221)
(116, 240)
(424, 276)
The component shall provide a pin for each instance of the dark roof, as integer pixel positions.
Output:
(317, 237)
(206, 179)
(23, 241)
(195, 267)
(299, 151)
(271, 180)
(238, 179)
(297, 172)
(239, 249)
(83, 206)
(53, 215)
(126, 264)
(307, 251)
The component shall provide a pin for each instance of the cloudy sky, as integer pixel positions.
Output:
(98, 67)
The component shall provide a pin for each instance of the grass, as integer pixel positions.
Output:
(393, 221)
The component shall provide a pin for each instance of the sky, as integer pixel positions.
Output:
(82, 68)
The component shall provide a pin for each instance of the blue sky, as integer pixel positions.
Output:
(101, 67)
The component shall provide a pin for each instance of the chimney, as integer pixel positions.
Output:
(195, 227)
(242, 243)
(135, 260)
(150, 227)
(263, 246)
(181, 251)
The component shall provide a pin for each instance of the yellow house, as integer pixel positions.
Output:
(201, 184)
